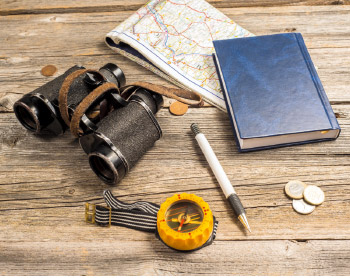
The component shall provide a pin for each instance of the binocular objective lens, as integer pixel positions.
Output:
(26, 117)
(102, 168)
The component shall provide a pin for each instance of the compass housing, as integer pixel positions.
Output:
(191, 236)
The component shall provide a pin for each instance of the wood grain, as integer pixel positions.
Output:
(44, 182)
(149, 257)
(9, 7)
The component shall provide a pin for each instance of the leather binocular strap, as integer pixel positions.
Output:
(86, 103)
(185, 96)
(63, 93)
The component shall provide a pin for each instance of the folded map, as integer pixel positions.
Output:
(174, 39)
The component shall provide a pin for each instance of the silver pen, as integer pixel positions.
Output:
(221, 176)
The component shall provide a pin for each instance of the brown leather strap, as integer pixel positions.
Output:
(86, 103)
(185, 96)
(63, 93)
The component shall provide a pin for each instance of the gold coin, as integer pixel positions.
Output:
(48, 70)
(178, 108)
(295, 189)
(314, 195)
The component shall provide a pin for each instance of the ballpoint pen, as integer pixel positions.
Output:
(221, 176)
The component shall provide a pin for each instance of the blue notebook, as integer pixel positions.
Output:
(273, 94)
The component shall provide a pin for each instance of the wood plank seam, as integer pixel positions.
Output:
(131, 7)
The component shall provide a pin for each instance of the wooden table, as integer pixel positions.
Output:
(45, 182)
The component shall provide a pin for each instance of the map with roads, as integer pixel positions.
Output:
(180, 35)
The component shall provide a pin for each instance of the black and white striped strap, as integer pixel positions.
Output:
(114, 203)
(216, 223)
(139, 215)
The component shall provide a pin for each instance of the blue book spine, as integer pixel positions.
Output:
(317, 82)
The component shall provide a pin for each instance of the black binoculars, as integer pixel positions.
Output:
(121, 133)
(39, 112)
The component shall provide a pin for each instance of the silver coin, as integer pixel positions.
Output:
(314, 195)
(294, 189)
(302, 207)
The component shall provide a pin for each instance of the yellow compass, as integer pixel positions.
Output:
(185, 222)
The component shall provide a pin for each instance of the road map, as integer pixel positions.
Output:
(174, 38)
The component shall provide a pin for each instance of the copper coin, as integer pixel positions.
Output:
(48, 70)
(178, 108)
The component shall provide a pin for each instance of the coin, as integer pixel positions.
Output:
(294, 189)
(314, 195)
(48, 70)
(178, 108)
(302, 207)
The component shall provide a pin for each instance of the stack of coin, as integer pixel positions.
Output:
(305, 197)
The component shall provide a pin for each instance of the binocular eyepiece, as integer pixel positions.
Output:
(39, 112)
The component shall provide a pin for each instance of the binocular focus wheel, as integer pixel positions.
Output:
(63, 93)
(86, 103)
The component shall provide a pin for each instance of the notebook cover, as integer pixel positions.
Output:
(272, 87)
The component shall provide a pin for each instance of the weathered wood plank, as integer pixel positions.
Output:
(22, 57)
(109, 256)
(39, 174)
(9, 7)
(44, 183)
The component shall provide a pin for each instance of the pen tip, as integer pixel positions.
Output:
(244, 221)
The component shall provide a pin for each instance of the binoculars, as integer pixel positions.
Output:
(115, 130)
(38, 111)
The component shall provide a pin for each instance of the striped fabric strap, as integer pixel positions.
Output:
(216, 223)
(143, 206)
(139, 215)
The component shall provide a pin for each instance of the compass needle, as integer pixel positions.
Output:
(181, 224)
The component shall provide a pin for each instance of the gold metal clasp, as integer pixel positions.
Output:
(90, 213)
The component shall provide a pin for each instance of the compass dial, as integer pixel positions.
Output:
(185, 222)
(184, 216)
